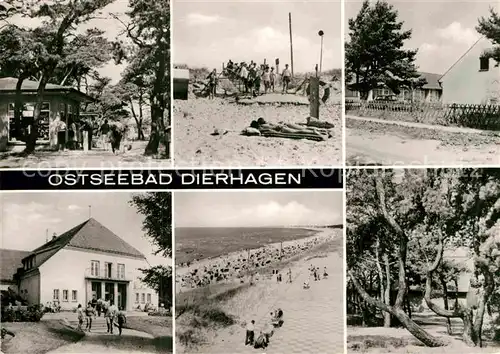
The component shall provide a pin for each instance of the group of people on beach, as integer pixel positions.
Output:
(314, 272)
(252, 76)
(230, 267)
(262, 341)
(113, 315)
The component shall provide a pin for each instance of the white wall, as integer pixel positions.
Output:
(30, 283)
(67, 269)
(466, 84)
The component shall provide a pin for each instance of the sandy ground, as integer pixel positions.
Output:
(95, 158)
(372, 141)
(312, 317)
(399, 340)
(196, 118)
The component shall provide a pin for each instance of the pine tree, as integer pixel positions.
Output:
(375, 57)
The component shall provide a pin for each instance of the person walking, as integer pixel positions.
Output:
(110, 316)
(98, 307)
(80, 314)
(104, 130)
(249, 339)
(89, 315)
(286, 77)
(121, 319)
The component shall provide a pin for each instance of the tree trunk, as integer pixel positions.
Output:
(469, 336)
(158, 103)
(417, 331)
(446, 306)
(387, 294)
(18, 108)
(33, 135)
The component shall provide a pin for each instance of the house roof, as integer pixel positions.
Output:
(431, 78)
(8, 85)
(463, 55)
(432, 81)
(89, 235)
(10, 260)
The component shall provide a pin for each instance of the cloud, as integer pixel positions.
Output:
(456, 33)
(195, 19)
(74, 207)
(276, 214)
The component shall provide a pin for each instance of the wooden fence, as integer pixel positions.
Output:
(466, 115)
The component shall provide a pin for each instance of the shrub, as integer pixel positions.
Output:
(32, 313)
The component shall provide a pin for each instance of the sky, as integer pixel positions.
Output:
(257, 209)
(113, 30)
(206, 34)
(25, 217)
(442, 30)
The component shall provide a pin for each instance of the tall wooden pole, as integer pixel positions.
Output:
(321, 56)
(291, 42)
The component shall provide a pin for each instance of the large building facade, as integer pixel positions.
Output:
(86, 262)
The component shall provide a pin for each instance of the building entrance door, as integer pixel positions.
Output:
(109, 288)
(122, 296)
(96, 290)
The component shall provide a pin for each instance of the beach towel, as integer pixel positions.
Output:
(275, 134)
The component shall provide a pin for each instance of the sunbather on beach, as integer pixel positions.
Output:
(288, 128)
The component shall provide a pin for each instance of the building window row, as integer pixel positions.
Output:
(142, 298)
(65, 294)
(108, 271)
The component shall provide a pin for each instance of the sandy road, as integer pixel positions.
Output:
(374, 146)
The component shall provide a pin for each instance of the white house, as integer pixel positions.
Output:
(85, 262)
(474, 78)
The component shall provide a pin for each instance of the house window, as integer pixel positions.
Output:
(137, 297)
(56, 294)
(149, 298)
(74, 295)
(121, 271)
(65, 295)
(143, 298)
(94, 268)
(108, 269)
(484, 64)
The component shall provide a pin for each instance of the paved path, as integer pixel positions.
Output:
(313, 318)
(422, 125)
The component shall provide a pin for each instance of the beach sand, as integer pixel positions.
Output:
(313, 311)
(197, 118)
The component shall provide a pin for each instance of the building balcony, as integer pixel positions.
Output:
(104, 274)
